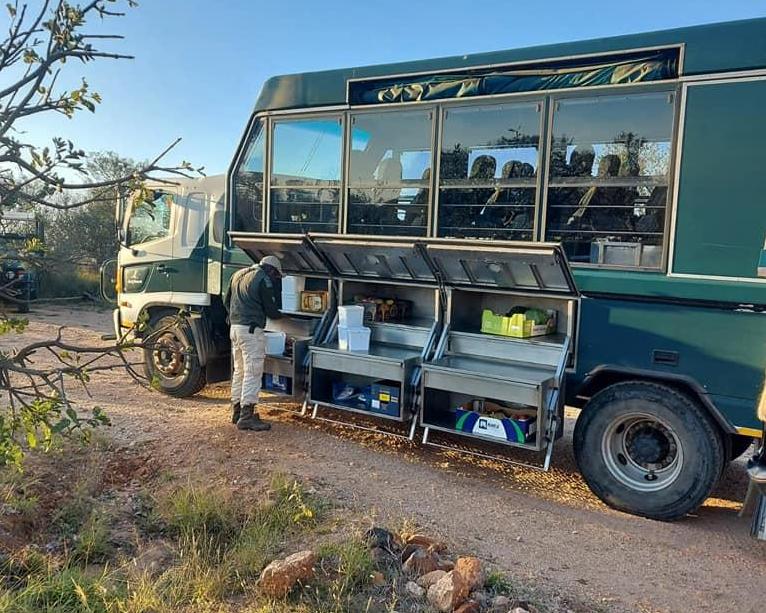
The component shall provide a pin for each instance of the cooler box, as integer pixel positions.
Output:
(385, 399)
(519, 430)
(353, 339)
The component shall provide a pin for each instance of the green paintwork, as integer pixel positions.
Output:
(721, 217)
(709, 343)
(737, 45)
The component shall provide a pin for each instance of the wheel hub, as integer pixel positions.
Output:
(168, 356)
(642, 452)
(648, 445)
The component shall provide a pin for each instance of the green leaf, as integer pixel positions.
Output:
(31, 439)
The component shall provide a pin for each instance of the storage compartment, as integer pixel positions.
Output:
(384, 376)
(284, 374)
(497, 421)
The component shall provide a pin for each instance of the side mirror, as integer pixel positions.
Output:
(108, 281)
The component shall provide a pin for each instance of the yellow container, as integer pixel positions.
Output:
(517, 326)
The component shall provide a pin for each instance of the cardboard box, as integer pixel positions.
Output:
(313, 302)
(518, 430)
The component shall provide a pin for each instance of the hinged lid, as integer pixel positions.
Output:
(296, 253)
(527, 267)
(384, 259)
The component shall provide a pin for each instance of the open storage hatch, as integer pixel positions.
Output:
(441, 362)
(490, 387)
(382, 382)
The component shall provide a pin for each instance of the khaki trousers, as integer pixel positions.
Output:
(248, 352)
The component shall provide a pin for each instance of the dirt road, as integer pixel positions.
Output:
(547, 528)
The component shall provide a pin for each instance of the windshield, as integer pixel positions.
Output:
(149, 219)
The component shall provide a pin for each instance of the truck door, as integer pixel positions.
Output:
(147, 260)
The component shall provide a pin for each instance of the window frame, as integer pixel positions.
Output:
(547, 99)
(502, 99)
(675, 144)
(342, 117)
(347, 148)
(232, 176)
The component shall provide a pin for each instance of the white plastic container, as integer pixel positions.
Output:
(354, 338)
(293, 285)
(291, 302)
(275, 343)
(351, 316)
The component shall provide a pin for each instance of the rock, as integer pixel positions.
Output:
(429, 579)
(449, 592)
(472, 570)
(445, 564)
(469, 606)
(422, 561)
(380, 556)
(382, 538)
(154, 558)
(378, 578)
(424, 541)
(501, 603)
(279, 577)
(519, 610)
(414, 590)
(481, 597)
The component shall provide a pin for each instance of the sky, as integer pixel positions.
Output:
(199, 65)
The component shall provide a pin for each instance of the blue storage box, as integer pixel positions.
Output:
(277, 383)
(385, 399)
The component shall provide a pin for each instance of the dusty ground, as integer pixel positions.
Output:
(546, 528)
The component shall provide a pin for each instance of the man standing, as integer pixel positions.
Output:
(250, 299)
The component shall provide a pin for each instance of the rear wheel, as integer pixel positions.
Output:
(170, 361)
(649, 450)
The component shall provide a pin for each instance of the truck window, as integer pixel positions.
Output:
(488, 172)
(247, 197)
(609, 177)
(390, 173)
(305, 175)
(150, 220)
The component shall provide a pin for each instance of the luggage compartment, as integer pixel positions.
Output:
(391, 274)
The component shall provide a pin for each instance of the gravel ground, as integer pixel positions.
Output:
(545, 528)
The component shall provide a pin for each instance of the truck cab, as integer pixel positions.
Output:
(171, 240)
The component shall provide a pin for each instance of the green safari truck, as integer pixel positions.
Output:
(635, 163)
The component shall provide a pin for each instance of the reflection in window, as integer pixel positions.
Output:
(609, 173)
(247, 201)
(489, 163)
(390, 173)
(150, 220)
(305, 175)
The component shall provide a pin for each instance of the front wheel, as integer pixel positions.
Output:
(646, 449)
(170, 361)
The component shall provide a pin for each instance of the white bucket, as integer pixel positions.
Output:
(351, 316)
(293, 285)
(353, 339)
(275, 343)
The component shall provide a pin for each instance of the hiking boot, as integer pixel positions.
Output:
(250, 420)
(236, 409)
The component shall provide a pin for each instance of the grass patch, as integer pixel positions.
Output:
(92, 544)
